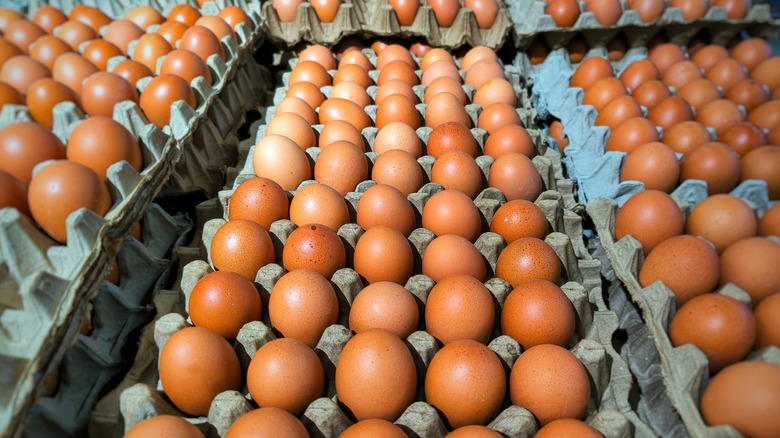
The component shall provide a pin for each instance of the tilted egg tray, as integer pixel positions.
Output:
(48, 284)
(368, 19)
(531, 21)
(685, 368)
(595, 170)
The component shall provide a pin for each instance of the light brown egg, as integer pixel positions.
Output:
(448, 85)
(452, 212)
(631, 134)
(302, 305)
(121, 33)
(437, 261)
(766, 115)
(603, 92)
(21, 72)
(496, 91)
(384, 254)
(443, 108)
(356, 57)
(681, 73)
(398, 70)
(743, 137)
(663, 56)
(243, 247)
(294, 127)
(394, 52)
(459, 307)
(483, 71)
(342, 109)
(751, 52)
(280, 159)
(321, 204)
(650, 93)
(271, 421)
(87, 145)
(298, 106)
(170, 425)
(516, 177)
(149, 48)
(354, 74)
(686, 136)
(48, 17)
(653, 164)
(435, 55)
(650, 217)
(22, 33)
(749, 263)
(509, 138)
(387, 206)
(395, 86)
(342, 165)
(397, 108)
(607, 11)
(309, 71)
(477, 54)
(699, 92)
(709, 56)
(440, 69)
(590, 71)
(526, 259)
(747, 93)
(618, 111)
(726, 73)
(716, 164)
(691, 9)
(308, 92)
(398, 135)
(339, 130)
(497, 116)
(319, 54)
(638, 73)
(384, 305)
(720, 114)
(766, 72)
(399, 169)
(45, 50)
(670, 111)
(373, 427)
(458, 170)
(519, 218)
(722, 220)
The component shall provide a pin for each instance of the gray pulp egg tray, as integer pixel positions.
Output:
(368, 19)
(595, 171)
(685, 369)
(46, 285)
(140, 395)
(530, 21)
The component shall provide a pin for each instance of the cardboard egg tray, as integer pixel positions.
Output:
(530, 21)
(376, 18)
(596, 171)
(49, 284)
(685, 368)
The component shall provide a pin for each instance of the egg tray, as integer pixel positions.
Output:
(531, 21)
(94, 360)
(116, 9)
(367, 19)
(595, 170)
(685, 368)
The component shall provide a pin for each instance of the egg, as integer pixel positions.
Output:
(631, 134)
(602, 92)
(373, 427)
(383, 254)
(458, 170)
(285, 373)
(294, 127)
(619, 110)
(497, 116)
(337, 131)
(721, 327)
(709, 56)
(184, 14)
(260, 200)
(686, 136)
(223, 302)
(445, 11)
(459, 307)
(549, 381)
(671, 111)
(21, 72)
(8, 15)
(286, 9)
(516, 177)
(22, 33)
(46, 50)
(384, 205)
(496, 91)
(637, 73)
(397, 109)
(315, 247)
(437, 261)
(650, 217)
(691, 9)
(273, 153)
(769, 225)
(699, 92)
(48, 17)
(760, 163)
(747, 93)
(162, 92)
(451, 136)
(485, 11)
(354, 74)
(452, 212)
(590, 71)
(663, 56)
(607, 12)
(171, 31)
(120, 33)
(446, 85)
(87, 145)
(735, 9)
(517, 219)
(405, 10)
(399, 169)
(444, 68)
(434, 55)
(9, 95)
(342, 109)
(384, 305)
(149, 48)
(474, 431)
(196, 364)
(556, 133)
(716, 164)
(144, 16)
(681, 73)
(765, 115)
(744, 137)
(267, 423)
(564, 12)
(483, 71)
(766, 313)
(744, 396)
(25, 144)
(90, 16)
(75, 33)
(233, 16)
(203, 42)
(533, 304)
(477, 54)
(242, 246)
(445, 107)
(72, 69)
(326, 10)
(751, 52)
(617, 48)
(466, 382)
(99, 51)
(376, 376)
(653, 164)
(342, 165)
(101, 91)
(526, 259)
(308, 92)
(650, 93)
(394, 52)
(186, 65)
(722, 220)
(398, 135)
(538, 51)
(509, 138)
(170, 425)
(302, 305)
(13, 193)
(749, 263)
(217, 26)
(43, 95)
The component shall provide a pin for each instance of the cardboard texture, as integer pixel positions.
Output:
(596, 171)
(368, 19)
(49, 284)
(530, 21)
(685, 368)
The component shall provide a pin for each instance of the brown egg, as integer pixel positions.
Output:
(355, 57)
(766, 115)
(721, 327)
(299, 107)
(638, 73)
(145, 16)
(773, 137)
(691, 9)
(726, 73)
(709, 56)
(743, 137)
(650, 93)
(687, 265)
(314, 247)
(761, 163)
(399, 169)
(556, 133)
(373, 427)
(751, 52)
(397, 108)
(419, 49)
(185, 14)
(443, 108)
(233, 15)
(25, 144)
(308, 92)
(101, 91)
(43, 95)
(303, 304)
(664, 56)
(617, 48)
(538, 51)
(9, 95)
(686, 136)
(170, 425)
(376, 376)
(749, 263)
(185, 64)
(631, 134)
(442, 69)
(309, 71)
(607, 11)
(742, 396)
(267, 422)
(496, 91)
(716, 164)
(474, 431)
(121, 33)
(477, 54)
(549, 381)
(326, 9)
(681, 73)
(452, 212)
(516, 177)
(396, 86)
(90, 16)
(534, 304)
(735, 9)
(497, 116)
(747, 93)
(22, 71)
(160, 94)
(354, 74)
(342, 109)
(526, 259)
(618, 111)
(203, 42)
(670, 111)
(74, 33)
(398, 70)
(653, 164)
(87, 145)
(590, 71)
(8, 15)
(13, 193)
(722, 220)
(149, 48)
(172, 31)
(48, 17)
(458, 170)
(650, 217)
(243, 247)
(394, 52)
(564, 12)
(568, 427)
(509, 138)
(196, 364)
(451, 136)
(435, 55)
(485, 11)
(517, 219)
(223, 302)
(387, 206)
(398, 135)
(260, 200)
(437, 261)
(22, 33)
(384, 305)
(294, 127)
(280, 159)
(45, 50)
(767, 327)
(603, 92)
(448, 85)
(766, 72)
(384, 254)
(483, 71)
(217, 26)
(769, 225)
(466, 382)
(319, 203)
(699, 92)
(460, 307)
(286, 9)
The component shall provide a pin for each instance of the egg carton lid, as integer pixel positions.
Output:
(368, 19)
(531, 21)
(685, 368)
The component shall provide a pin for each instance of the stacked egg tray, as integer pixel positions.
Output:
(530, 21)
(49, 285)
(595, 170)
(376, 18)
(685, 368)
(139, 395)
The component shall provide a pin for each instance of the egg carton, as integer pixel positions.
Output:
(373, 18)
(595, 170)
(685, 368)
(531, 21)
(116, 9)
(96, 359)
